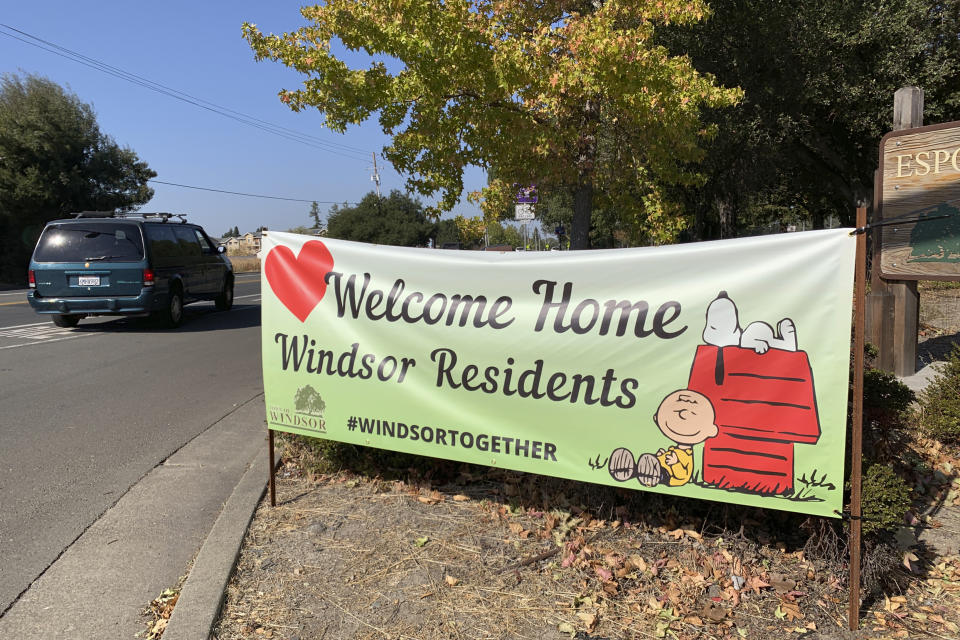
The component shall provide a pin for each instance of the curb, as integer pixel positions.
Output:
(202, 595)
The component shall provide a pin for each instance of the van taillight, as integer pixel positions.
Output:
(148, 277)
(32, 278)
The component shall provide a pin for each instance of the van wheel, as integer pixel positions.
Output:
(172, 316)
(66, 321)
(224, 301)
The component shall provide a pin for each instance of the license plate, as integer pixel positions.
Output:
(89, 281)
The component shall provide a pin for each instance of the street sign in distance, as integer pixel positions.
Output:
(527, 195)
(524, 211)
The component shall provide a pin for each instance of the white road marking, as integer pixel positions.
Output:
(33, 344)
(15, 293)
(34, 333)
(32, 324)
(46, 332)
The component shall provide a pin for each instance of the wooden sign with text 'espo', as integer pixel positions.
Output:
(920, 179)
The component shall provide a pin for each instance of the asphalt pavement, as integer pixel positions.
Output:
(121, 444)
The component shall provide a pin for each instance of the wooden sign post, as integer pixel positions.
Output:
(917, 224)
(893, 307)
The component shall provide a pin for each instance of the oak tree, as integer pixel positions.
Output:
(55, 160)
(396, 219)
(572, 96)
(818, 80)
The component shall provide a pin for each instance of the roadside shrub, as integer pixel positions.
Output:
(939, 413)
(885, 498)
(886, 410)
(884, 394)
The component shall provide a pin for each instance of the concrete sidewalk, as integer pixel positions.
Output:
(922, 378)
(146, 542)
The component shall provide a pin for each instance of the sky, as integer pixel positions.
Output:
(197, 48)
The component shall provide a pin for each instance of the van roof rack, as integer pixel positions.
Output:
(93, 214)
(163, 216)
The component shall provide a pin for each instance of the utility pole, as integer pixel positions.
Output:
(376, 175)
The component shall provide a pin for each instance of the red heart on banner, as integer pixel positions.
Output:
(299, 281)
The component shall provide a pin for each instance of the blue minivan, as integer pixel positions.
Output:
(134, 264)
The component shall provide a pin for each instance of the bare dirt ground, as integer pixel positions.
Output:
(492, 554)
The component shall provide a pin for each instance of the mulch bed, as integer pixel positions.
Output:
(350, 556)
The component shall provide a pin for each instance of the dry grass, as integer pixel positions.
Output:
(350, 556)
(245, 264)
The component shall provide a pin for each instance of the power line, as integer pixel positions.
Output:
(248, 195)
(353, 153)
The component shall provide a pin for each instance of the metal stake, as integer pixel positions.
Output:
(856, 453)
(273, 470)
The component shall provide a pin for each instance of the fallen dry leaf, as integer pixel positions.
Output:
(781, 583)
(605, 574)
(910, 561)
(791, 609)
(756, 583)
(714, 613)
(589, 620)
(637, 562)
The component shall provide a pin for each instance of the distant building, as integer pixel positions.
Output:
(246, 245)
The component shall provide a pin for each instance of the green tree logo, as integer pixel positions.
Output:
(309, 401)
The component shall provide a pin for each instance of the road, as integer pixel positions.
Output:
(85, 413)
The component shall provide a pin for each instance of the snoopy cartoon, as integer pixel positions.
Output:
(723, 329)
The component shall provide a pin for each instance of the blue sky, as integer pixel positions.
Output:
(197, 48)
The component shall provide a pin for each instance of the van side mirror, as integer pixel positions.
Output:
(221, 249)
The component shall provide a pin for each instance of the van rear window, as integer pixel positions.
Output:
(86, 242)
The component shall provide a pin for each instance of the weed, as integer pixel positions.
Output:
(939, 413)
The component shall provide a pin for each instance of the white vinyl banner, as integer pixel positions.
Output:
(715, 370)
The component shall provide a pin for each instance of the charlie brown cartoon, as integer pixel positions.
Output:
(687, 418)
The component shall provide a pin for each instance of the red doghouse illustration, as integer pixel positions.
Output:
(750, 398)
(764, 404)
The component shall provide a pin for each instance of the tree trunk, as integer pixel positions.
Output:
(583, 192)
(817, 219)
(726, 218)
(582, 210)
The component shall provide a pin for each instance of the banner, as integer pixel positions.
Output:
(714, 370)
